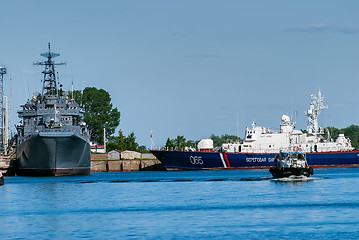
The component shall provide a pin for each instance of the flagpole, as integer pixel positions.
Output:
(151, 141)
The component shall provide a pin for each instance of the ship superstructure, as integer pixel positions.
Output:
(261, 140)
(52, 136)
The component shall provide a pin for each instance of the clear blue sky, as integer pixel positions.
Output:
(192, 68)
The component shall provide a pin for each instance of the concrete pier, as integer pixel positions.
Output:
(102, 163)
(7, 166)
(99, 163)
(126, 165)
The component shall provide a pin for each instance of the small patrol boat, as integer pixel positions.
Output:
(291, 162)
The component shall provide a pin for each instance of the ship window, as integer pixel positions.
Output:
(45, 108)
(40, 108)
(62, 107)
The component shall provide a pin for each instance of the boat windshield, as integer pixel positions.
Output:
(296, 155)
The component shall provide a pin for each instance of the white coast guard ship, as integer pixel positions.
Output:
(260, 146)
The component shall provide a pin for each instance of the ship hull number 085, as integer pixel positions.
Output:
(196, 159)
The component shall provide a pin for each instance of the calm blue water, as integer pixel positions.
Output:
(181, 205)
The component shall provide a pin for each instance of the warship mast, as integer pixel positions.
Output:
(316, 106)
(49, 84)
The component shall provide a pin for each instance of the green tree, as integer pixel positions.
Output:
(99, 112)
(130, 142)
(170, 144)
(111, 146)
(180, 142)
(122, 143)
(192, 143)
(219, 140)
(353, 133)
(334, 132)
(142, 149)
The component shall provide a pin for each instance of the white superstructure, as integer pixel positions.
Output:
(263, 140)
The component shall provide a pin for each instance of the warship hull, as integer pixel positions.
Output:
(182, 160)
(53, 154)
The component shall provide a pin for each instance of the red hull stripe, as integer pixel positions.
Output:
(224, 163)
(225, 156)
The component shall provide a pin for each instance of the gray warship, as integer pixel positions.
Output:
(52, 138)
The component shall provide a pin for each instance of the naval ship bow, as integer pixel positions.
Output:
(52, 137)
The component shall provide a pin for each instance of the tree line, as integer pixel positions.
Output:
(121, 142)
(351, 132)
(180, 142)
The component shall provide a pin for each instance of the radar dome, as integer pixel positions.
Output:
(205, 144)
(285, 118)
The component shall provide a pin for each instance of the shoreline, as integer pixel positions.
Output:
(100, 163)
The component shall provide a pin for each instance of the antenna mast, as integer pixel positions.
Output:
(10, 110)
(316, 106)
(2, 112)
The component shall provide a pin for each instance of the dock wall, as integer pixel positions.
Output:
(100, 163)
(126, 165)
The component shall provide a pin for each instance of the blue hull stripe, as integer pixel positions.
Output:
(215, 160)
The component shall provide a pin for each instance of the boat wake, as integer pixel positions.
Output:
(294, 178)
(234, 179)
